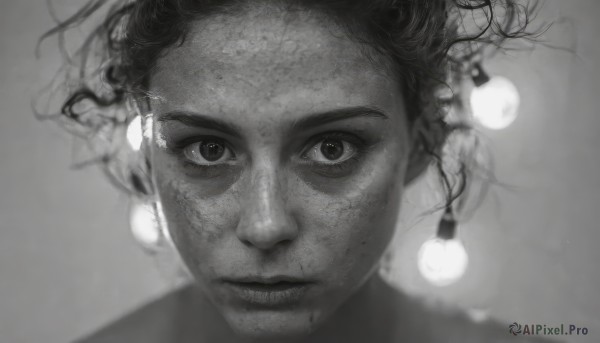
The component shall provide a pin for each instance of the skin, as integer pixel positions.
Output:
(273, 205)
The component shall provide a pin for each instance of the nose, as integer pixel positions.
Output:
(265, 221)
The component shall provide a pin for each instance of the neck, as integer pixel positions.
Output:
(371, 314)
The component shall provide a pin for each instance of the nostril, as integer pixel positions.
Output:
(266, 237)
(267, 246)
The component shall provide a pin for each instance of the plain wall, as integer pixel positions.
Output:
(69, 265)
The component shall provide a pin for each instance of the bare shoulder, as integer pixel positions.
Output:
(421, 320)
(153, 322)
(455, 325)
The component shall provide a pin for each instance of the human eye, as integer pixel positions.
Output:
(208, 152)
(333, 154)
(331, 150)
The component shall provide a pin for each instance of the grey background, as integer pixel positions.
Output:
(69, 265)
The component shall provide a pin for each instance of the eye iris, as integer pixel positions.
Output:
(332, 149)
(212, 150)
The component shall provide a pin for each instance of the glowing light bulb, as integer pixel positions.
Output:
(495, 103)
(144, 225)
(442, 261)
(134, 133)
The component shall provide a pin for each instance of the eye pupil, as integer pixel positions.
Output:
(212, 150)
(332, 149)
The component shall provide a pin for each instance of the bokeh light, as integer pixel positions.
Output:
(495, 104)
(442, 261)
(134, 133)
(144, 225)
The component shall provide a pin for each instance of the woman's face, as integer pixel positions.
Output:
(279, 154)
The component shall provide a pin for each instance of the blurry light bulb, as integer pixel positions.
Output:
(442, 261)
(495, 102)
(144, 225)
(134, 133)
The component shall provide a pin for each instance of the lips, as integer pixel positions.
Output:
(269, 292)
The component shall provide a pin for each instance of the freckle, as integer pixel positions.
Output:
(363, 242)
(211, 237)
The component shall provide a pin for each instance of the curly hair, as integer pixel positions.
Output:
(432, 45)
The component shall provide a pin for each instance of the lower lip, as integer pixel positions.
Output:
(269, 295)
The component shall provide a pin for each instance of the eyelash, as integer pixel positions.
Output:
(320, 168)
(207, 171)
(335, 167)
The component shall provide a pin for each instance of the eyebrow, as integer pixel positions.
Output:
(203, 121)
(200, 120)
(338, 114)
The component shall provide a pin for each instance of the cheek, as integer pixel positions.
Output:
(199, 224)
(351, 229)
(342, 234)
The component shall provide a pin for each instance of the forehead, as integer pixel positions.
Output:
(267, 58)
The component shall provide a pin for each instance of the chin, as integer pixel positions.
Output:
(272, 324)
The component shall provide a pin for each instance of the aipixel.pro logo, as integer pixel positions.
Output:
(516, 329)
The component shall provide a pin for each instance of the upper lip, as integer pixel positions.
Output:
(266, 279)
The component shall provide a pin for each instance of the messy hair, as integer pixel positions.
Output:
(432, 46)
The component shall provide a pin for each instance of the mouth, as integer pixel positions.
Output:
(269, 292)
